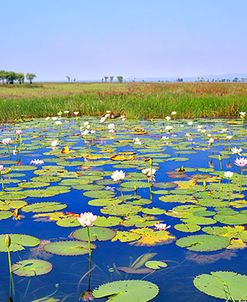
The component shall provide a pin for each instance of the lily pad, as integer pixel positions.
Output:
(127, 290)
(31, 267)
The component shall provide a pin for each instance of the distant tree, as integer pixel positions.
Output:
(30, 77)
(180, 80)
(120, 79)
(111, 79)
(235, 80)
(68, 78)
(106, 78)
(20, 77)
(2, 75)
(10, 77)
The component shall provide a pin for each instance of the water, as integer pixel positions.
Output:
(68, 278)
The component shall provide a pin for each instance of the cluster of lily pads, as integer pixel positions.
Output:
(158, 194)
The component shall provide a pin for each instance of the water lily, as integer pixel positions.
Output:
(76, 113)
(242, 114)
(6, 141)
(210, 141)
(137, 141)
(102, 119)
(18, 132)
(37, 162)
(229, 137)
(87, 219)
(190, 123)
(54, 143)
(241, 162)
(228, 174)
(236, 150)
(118, 175)
(58, 123)
(168, 128)
(168, 118)
(173, 113)
(162, 226)
(149, 172)
(66, 111)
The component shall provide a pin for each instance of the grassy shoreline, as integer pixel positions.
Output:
(137, 100)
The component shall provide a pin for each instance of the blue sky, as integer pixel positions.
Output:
(88, 39)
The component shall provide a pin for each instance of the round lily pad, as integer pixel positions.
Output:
(96, 233)
(67, 248)
(229, 286)
(127, 290)
(203, 243)
(40, 207)
(31, 267)
(18, 242)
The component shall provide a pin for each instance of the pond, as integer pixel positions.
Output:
(172, 214)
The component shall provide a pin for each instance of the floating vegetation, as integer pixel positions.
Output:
(178, 186)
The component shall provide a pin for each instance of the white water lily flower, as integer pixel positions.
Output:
(149, 172)
(18, 132)
(168, 118)
(54, 143)
(6, 141)
(165, 137)
(241, 162)
(85, 132)
(168, 128)
(199, 127)
(47, 118)
(236, 150)
(190, 123)
(242, 114)
(37, 162)
(118, 175)
(92, 131)
(86, 124)
(210, 141)
(54, 118)
(76, 113)
(103, 119)
(137, 141)
(162, 226)
(66, 111)
(87, 219)
(229, 137)
(58, 123)
(228, 174)
(2, 168)
(111, 126)
(173, 113)
(223, 130)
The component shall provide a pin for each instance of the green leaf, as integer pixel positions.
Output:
(203, 243)
(229, 286)
(18, 242)
(31, 267)
(155, 264)
(127, 290)
(96, 233)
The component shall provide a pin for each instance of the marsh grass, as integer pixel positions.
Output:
(136, 100)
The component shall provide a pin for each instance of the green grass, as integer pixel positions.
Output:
(137, 100)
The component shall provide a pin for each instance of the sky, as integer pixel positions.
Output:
(89, 39)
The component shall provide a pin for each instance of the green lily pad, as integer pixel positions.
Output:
(67, 248)
(155, 264)
(96, 233)
(18, 242)
(229, 286)
(203, 243)
(31, 267)
(127, 290)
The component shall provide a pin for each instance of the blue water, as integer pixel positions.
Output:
(68, 279)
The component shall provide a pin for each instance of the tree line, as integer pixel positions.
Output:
(10, 77)
(111, 78)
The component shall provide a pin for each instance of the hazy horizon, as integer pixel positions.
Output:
(135, 39)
